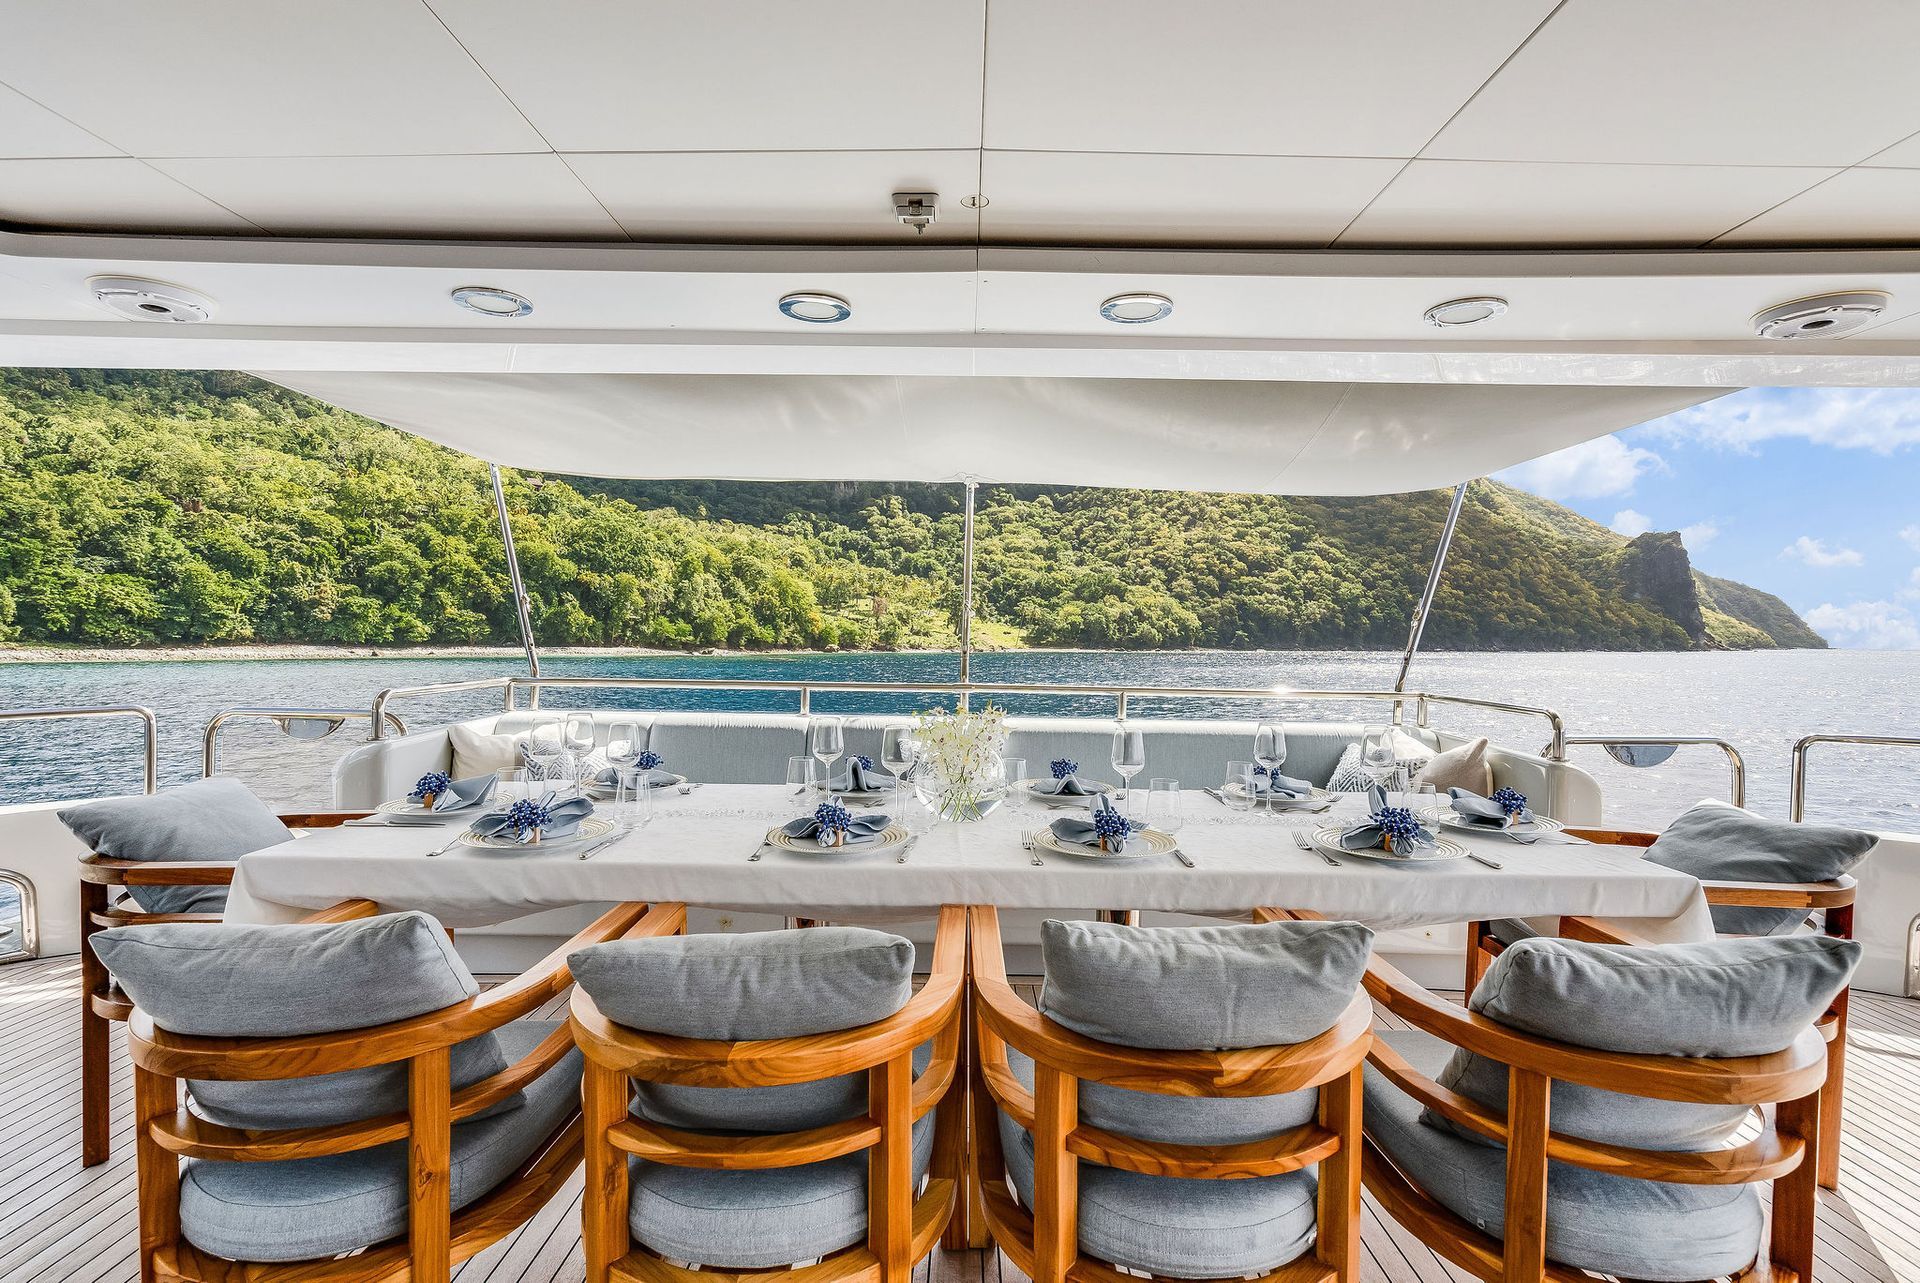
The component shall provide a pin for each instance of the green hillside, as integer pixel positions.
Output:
(161, 507)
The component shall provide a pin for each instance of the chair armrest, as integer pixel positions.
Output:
(101, 871)
(1594, 931)
(1615, 837)
(1783, 895)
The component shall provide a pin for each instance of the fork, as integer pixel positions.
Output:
(1026, 844)
(1300, 840)
(448, 845)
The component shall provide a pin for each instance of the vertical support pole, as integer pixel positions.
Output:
(519, 587)
(603, 1204)
(1420, 611)
(966, 594)
(430, 1165)
(96, 1084)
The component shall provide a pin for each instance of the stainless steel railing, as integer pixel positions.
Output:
(1122, 696)
(149, 727)
(1797, 798)
(295, 723)
(1736, 764)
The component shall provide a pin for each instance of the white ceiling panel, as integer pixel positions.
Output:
(1088, 199)
(1705, 82)
(28, 129)
(106, 194)
(1861, 206)
(240, 78)
(1904, 154)
(748, 75)
(1456, 202)
(774, 196)
(498, 197)
(1266, 77)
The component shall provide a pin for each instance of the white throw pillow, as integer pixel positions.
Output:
(1462, 767)
(478, 753)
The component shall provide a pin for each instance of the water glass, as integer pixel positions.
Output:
(1164, 810)
(1237, 790)
(1129, 759)
(625, 740)
(1014, 770)
(827, 738)
(803, 775)
(516, 785)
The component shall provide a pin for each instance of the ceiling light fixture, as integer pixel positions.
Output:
(1137, 309)
(1465, 311)
(487, 300)
(815, 308)
(142, 300)
(1824, 316)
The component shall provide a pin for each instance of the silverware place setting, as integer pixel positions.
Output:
(459, 832)
(1027, 840)
(1305, 843)
(906, 847)
(607, 841)
(1478, 858)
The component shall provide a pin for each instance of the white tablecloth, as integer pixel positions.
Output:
(696, 848)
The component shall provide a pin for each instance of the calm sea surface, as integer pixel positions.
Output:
(1761, 701)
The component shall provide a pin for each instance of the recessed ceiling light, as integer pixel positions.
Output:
(1824, 316)
(1465, 311)
(143, 300)
(1136, 309)
(816, 309)
(488, 301)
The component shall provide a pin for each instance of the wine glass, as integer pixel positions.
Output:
(828, 739)
(546, 745)
(898, 752)
(1270, 750)
(1377, 756)
(1164, 810)
(1129, 759)
(623, 750)
(1237, 790)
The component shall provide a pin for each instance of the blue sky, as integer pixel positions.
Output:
(1810, 493)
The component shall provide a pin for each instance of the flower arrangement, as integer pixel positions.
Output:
(1398, 827)
(430, 786)
(1511, 801)
(1062, 767)
(649, 761)
(1112, 828)
(834, 820)
(528, 816)
(961, 773)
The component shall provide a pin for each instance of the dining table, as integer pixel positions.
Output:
(707, 846)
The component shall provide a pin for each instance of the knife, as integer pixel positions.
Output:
(908, 847)
(608, 840)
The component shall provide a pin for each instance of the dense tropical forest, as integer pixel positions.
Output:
(140, 508)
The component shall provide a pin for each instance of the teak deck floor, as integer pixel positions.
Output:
(62, 1223)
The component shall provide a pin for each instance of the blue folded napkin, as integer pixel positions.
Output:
(1486, 811)
(1372, 832)
(555, 819)
(860, 829)
(1068, 786)
(460, 794)
(1103, 821)
(657, 777)
(858, 775)
(1273, 783)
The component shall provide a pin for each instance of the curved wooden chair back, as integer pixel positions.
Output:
(101, 1002)
(1044, 1241)
(436, 1238)
(901, 1229)
(1833, 900)
(1781, 1152)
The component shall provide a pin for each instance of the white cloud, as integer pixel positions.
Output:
(1816, 553)
(1699, 535)
(1630, 523)
(1882, 420)
(1591, 470)
(1912, 591)
(1911, 534)
(1867, 625)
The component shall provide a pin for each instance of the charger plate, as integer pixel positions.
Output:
(1452, 819)
(1144, 843)
(590, 828)
(1327, 839)
(891, 836)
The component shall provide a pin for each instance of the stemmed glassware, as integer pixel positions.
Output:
(623, 750)
(1129, 759)
(898, 752)
(827, 738)
(578, 740)
(546, 747)
(1270, 750)
(1378, 757)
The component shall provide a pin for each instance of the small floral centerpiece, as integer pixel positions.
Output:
(649, 761)
(962, 775)
(1112, 829)
(834, 821)
(1063, 767)
(429, 787)
(527, 817)
(1400, 829)
(1512, 802)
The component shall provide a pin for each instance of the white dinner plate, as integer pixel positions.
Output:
(1314, 799)
(1144, 843)
(605, 791)
(1054, 799)
(590, 828)
(1327, 838)
(891, 836)
(1452, 819)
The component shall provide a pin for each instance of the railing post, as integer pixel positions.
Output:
(520, 604)
(966, 593)
(1425, 605)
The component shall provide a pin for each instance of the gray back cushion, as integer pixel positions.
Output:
(748, 987)
(224, 981)
(1717, 999)
(211, 819)
(1201, 988)
(1724, 843)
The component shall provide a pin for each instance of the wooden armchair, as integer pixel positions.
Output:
(1069, 1070)
(1832, 900)
(100, 1001)
(900, 1228)
(412, 1155)
(1445, 1188)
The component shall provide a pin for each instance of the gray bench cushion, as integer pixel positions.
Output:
(225, 981)
(1608, 1224)
(1721, 843)
(313, 1207)
(1201, 988)
(211, 819)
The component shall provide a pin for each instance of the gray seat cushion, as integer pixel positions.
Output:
(313, 1207)
(215, 980)
(1201, 988)
(1735, 997)
(1721, 843)
(788, 1108)
(211, 819)
(1608, 1224)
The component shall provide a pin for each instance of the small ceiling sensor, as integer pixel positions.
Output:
(1465, 311)
(816, 309)
(1137, 309)
(142, 300)
(1824, 316)
(488, 300)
